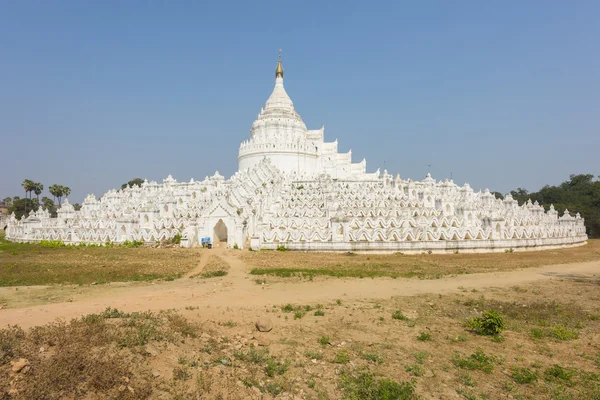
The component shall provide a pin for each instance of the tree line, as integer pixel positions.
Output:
(580, 194)
(25, 206)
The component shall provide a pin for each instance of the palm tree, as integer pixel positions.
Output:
(54, 191)
(66, 191)
(28, 186)
(37, 189)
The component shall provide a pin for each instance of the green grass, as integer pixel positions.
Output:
(314, 355)
(342, 357)
(276, 367)
(414, 369)
(324, 340)
(466, 379)
(398, 315)
(558, 332)
(339, 273)
(213, 274)
(24, 264)
(364, 385)
(299, 311)
(421, 356)
(558, 373)
(523, 375)
(373, 357)
(476, 361)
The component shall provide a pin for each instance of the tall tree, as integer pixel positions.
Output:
(37, 189)
(134, 181)
(20, 207)
(57, 191)
(48, 203)
(54, 190)
(580, 194)
(28, 187)
(66, 191)
(7, 201)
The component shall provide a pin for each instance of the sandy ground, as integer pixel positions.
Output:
(28, 306)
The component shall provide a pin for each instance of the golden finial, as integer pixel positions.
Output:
(279, 70)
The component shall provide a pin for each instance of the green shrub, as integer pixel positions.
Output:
(476, 361)
(134, 243)
(281, 247)
(287, 308)
(235, 246)
(398, 315)
(488, 323)
(324, 340)
(562, 333)
(52, 243)
(376, 358)
(314, 355)
(176, 239)
(213, 274)
(319, 313)
(421, 356)
(414, 369)
(424, 336)
(274, 367)
(557, 372)
(342, 357)
(537, 333)
(523, 375)
(361, 385)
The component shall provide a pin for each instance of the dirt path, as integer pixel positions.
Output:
(238, 290)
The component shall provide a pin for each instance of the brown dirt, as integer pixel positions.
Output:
(360, 323)
(238, 289)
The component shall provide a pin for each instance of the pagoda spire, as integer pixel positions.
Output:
(279, 69)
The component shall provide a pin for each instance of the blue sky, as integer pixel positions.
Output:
(93, 94)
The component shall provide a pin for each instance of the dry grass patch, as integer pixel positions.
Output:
(215, 267)
(97, 355)
(23, 264)
(426, 266)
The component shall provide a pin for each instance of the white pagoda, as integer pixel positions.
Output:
(294, 189)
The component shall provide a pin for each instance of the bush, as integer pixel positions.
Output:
(287, 308)
(52, 243)
(562, 333)
(342, 357)
(398, 315)
(276, 367)
(235, 246)
(281, 247)
(176, 239)
(364, 386)
(476, 361)
(557, 372)
(213, 274)
(490, 323)
(132, 244)
(424, 336)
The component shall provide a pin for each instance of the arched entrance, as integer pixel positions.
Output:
(220, 232)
